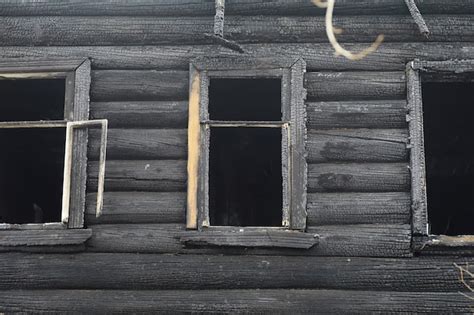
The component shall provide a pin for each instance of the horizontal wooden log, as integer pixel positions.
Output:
(138, 207)
(146, 175)
(380, 177)
(241, 7)
(358, 208)
(154, 271)
(318, 56)
(134, 85)
(347, 240)
(322, 86)
(142, 114)
(151, 85)
(171, 175)
(141, 144)
(348, 146)
(90, 31)
(357, 114)
(232, 301)
(44, 237)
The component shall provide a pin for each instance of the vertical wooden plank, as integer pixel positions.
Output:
(69, 96)
(193, 148)
(205, 137)
(285, 146)
(298, 149)
(417, 152)
(82, 81)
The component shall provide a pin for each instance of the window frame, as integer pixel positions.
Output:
(418, 71)
(77, 76)
(293, 124)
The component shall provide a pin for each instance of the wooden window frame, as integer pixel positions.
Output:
(428, 71)
(77, 76)
(293, 125)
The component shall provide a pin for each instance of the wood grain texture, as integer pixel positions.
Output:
(240, 7)
(138, 207)
(232, 301)
(142, 114)
(44, 237)
(104, 30)
(141, 144)
(350, 146)
(318, 56)
(348, 240)
(380, 177)
(154, 271)
(358, 208)
(357, 114)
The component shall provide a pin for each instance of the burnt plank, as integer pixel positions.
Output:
(236, 7)
(232, 301)
(141, 144)
(190, 272)
(171, 114)
(318, 56)
(347, 240)
(357, 114)
(146, 175)
(360, 177)
(358, 208)
(323, 86)
(138, 207)
(106, 30)
(347, 146)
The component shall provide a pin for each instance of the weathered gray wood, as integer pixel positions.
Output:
(82, 83)
(323, 147)
(42, 65)
(155, 271)
(241, 7)
(248, 237)
(358, 177)
(45, 237)
(146, 175)
(138, 207)
(335, 240)
(76, 30)
(450, 66)
(357, 114)
(358, 208)
(318, 56)
(149, 85)
(232, 301)
(141, 144)
(389, 135)
(142, 114)
(341, 86)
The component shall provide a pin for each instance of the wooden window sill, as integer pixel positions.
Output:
(433, 242)
(43, 237)
(250, 237)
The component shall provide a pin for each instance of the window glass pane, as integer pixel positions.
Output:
(449, 153)
(245, 177)
(245, 99)
(32, 99)
(31, 175)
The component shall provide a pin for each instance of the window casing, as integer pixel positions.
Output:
(418, 72)
(292, 126)
(70, 228)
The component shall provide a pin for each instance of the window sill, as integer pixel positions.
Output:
(442, 242)
(43, 237)
(250, 237)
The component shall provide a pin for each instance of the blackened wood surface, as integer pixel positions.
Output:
(358, 208)
(155, 271)
(104, 30)
(44, 237)
(349, 240)
(318, 56)
(233, 301)
(241, 7)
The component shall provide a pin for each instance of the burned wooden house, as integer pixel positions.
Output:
(248, 168)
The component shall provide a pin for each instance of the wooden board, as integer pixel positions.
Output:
(44, 237)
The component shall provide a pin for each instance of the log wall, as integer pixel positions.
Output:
(358, 176)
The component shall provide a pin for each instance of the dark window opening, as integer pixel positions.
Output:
(23, 100)
(245, 177)
(245, 99)
(449, 154)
